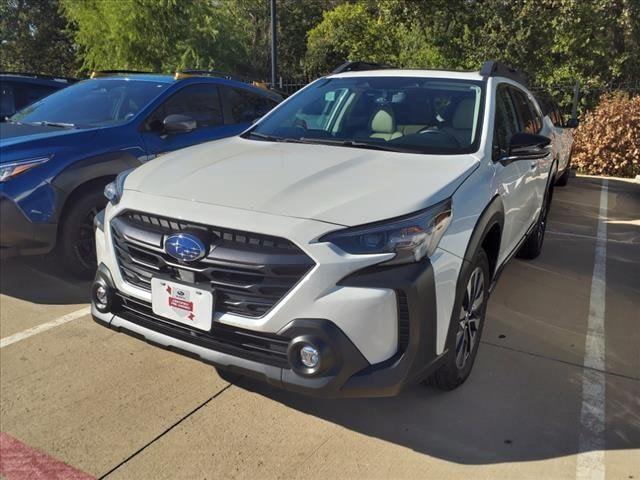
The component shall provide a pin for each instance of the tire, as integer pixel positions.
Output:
(464, 341)
(532, 246)
(564, 178)
(76, 248)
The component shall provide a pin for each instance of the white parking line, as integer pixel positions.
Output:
(591, 447)
(30, 332)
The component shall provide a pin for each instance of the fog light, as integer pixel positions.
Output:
(101, 295)
(309, 356)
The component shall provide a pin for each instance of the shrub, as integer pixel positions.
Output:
(607, 142)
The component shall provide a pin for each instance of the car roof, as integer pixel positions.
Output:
(37, 79)
(164, 78)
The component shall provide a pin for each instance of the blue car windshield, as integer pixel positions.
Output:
(92, 103)
(405, 114)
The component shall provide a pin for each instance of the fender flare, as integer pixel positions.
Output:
(89, 169)
(492, 215)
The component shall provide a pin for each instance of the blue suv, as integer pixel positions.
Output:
(57, 155)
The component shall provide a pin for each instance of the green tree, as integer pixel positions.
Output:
(157, 35)
(34, 38)
(295, 19)
(555, 42)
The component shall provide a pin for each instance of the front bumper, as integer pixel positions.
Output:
(382, 324)
(20, 236)
(348, 373)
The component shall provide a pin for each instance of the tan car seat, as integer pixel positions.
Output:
(383, 124)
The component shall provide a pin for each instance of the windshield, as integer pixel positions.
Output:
(92, 103)
(412, 114)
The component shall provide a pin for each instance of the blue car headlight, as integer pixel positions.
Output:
(411, 238)
(10, 170)
(113, 191)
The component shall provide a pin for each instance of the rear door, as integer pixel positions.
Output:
(566, 138)
(202, 103)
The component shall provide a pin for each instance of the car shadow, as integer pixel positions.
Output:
(40, 280)
(513, 408)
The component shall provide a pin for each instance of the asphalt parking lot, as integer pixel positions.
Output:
(80, 401)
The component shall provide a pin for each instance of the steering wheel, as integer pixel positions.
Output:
(449, 136)
(300, 123)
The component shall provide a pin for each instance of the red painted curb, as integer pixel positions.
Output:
(21, 462)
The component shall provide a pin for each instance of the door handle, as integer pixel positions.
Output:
(533, 165)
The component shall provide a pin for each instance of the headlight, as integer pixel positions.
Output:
(411, 238)
(10, 170)
(113, 191)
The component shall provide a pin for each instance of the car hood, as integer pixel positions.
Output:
(20, 141)
(340, 185)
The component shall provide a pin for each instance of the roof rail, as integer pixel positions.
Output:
(210, 73)
(107, 73)
(56, 78)
(493, 68)
(360, 67)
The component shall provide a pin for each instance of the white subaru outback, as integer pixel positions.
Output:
(346, 244)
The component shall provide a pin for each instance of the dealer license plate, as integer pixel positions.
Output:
(182, 303)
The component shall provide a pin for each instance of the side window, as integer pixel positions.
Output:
(506, 123)
(535, 113)
(200, 102)
(246, 106)
(317, 114)
(7, 100)
(530, 121)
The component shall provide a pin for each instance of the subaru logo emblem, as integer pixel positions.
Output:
(185, 247)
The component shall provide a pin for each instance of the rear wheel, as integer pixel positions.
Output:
(532, 246)
(564, 178)
(470, 311)
(76, 249)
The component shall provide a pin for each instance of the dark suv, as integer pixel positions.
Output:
(17, 90)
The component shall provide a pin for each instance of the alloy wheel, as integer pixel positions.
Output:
(470, 317)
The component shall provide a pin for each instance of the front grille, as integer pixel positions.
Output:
(249, 272)
(267, 348)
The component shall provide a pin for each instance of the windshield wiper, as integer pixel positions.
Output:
(272, 138)
(356, 144)
(327, 141)
(45, 123)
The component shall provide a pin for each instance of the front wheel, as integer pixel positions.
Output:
(471, 309)
(76, 249)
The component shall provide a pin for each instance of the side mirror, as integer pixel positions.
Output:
(178, 124)
(572, 123)
(527, 146)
